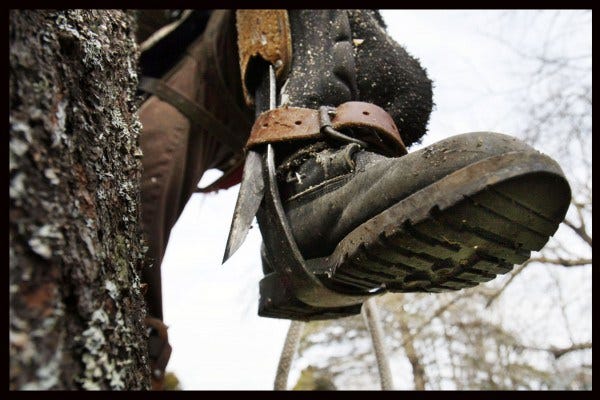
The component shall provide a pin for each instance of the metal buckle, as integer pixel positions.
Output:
(327, 129)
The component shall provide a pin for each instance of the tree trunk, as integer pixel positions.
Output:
(76, 252)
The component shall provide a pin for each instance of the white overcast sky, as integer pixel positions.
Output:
(218, 340)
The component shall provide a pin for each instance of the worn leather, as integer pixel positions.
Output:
(366, 121)
(163, 55)
(262, 34)
(324, 207)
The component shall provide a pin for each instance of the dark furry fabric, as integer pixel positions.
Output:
(341, 55)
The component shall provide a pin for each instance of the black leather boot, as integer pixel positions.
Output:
(446, 217)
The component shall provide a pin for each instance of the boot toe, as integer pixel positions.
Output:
(463, 229)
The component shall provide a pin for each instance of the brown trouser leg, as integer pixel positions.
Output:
(164, 143)
(175, 158)
(176, 153)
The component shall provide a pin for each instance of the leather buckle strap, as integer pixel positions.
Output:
(194, 112)
(364, 121)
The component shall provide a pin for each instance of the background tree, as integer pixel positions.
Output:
(530, 329)
(75, 251)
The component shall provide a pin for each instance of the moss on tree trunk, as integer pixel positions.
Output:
(75, 247)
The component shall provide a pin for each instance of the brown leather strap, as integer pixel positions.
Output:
(364, 121)
(265, 34)
(193, 111)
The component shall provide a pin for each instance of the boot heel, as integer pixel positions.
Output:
(278, 301)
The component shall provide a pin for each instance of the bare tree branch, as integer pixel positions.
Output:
(558, 352)
(580, 230)
(561, 304)
(419, 377)
(544, 260)
(565, 262)
(436, 314)
(513, 274)
(578, 262)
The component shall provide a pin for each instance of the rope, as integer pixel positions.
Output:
(290, 345)
(370, 314)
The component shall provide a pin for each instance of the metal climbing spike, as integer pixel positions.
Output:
(253, 183)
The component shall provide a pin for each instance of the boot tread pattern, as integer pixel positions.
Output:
(462, 246)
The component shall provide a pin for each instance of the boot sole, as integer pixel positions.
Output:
(463, 230)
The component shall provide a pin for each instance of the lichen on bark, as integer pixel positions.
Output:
(75, 246)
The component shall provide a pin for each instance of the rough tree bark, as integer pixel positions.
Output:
(75, 248)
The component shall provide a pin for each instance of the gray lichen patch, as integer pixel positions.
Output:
(23, 339)
(47, 375)
(51, 175)
(59, 133)
(41, 239)
(101, 367)
(112, 289)
(16, 188)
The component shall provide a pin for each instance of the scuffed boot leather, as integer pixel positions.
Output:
(446, 217)
(322, 215)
